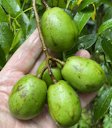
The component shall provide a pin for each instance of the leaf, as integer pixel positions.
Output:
(11, 6)
(87, 41)
(98, 46)
(81, 18)
(102, 104)
(85, 3)
(57, 3)
(6, 37)
(107, 121)
(105, 25)
(3, 16)
(109, 2)
(2, 57)
(25, 24)
(16, 39)
(107, 47)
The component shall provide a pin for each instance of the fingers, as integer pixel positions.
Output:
(83, 53)
(86, 98)
(25, 57)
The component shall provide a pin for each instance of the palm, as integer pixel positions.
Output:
(21, 63)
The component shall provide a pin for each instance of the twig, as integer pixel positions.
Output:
(45, 4)
(58, 61)
(41, 73)
(42, 41)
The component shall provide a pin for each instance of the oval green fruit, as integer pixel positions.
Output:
(64, 104)
(58, 29)
(83, 74)
(27, 97)
(46, 77)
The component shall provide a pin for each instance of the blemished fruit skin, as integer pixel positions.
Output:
(59, 30)
(64, 104)
(83, 74)
(46, 77)
(27, 97)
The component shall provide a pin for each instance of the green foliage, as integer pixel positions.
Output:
(85, 120)
(3, 16)
(81, 18)
(86, 41)
(107, 47)
(105, 25)
(102, 104)
(107, 122)
(6, 37)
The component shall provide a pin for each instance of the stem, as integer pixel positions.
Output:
(43, 43)
(23, 12)
(40, 74)
(45, 4)
(58, 61)
(38, 27)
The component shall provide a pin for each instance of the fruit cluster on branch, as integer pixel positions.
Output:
(57, 80)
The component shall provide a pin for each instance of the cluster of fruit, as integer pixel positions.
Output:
(81, 74)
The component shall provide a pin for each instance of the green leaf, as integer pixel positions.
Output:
(25, 24)
(2, 58)
(109, 2)
(6, 37)
(107, 121)
(57, 3)
(71, 4)
(16, 40)
(81, 18)
(11, 6)
(102, 104)
(86, 3)
(87, 41)
(3, 16)
(105, 25)
(107, 47)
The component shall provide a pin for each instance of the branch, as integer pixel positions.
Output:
(43, 43)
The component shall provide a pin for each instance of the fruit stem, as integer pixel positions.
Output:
(45, 4)
(38, 27)
(58, 61)
(43, 43)
(41, 73)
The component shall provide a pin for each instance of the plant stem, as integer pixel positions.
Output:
(45, 4)
(42, 41)
(38, 27)
(41, 73)
(58, 61)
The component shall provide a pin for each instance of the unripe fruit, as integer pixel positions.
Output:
(64, 104)
(27, 97)
(83, 74)
(58, 29)
(46, 77)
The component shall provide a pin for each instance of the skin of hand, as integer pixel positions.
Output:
(26, 60)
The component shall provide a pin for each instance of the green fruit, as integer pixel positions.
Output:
(46, 77)
(83, 74)
(56, 72)
(59, 30)
(64, 104)
(27, 97)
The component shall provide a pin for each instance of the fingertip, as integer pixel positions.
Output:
(83, 53)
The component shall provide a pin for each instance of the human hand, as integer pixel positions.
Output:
(26, 60)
